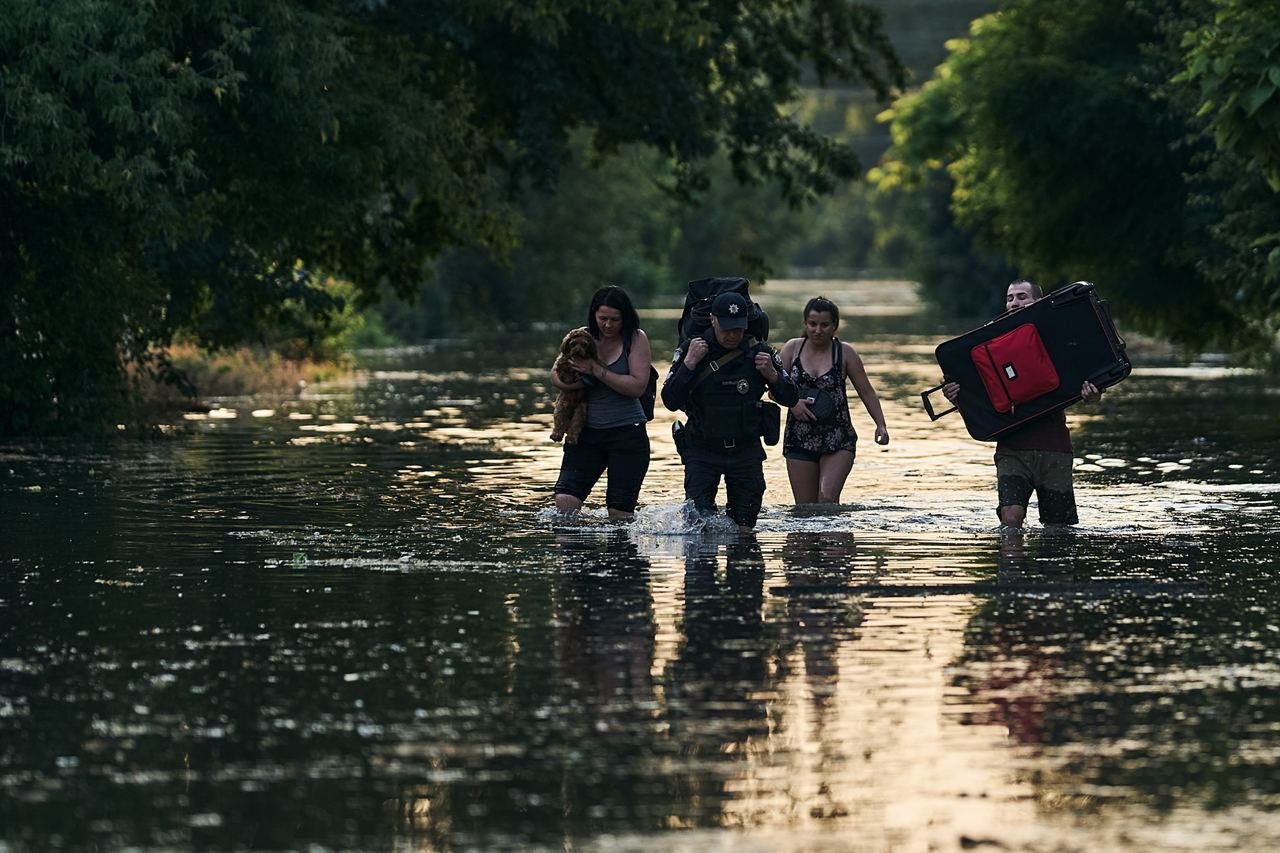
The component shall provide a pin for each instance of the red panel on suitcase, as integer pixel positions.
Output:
(1015, 367)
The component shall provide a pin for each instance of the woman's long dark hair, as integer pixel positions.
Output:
(613, 296)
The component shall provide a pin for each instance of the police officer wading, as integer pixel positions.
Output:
(719, 380)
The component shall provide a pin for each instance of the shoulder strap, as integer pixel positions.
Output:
(837, 359)
(796, 357)
(716, 365)
(626, 349)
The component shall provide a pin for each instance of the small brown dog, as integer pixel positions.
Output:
(570, 414)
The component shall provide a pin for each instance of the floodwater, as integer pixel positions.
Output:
(349, 620)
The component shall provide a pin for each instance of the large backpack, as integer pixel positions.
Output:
(696, 317)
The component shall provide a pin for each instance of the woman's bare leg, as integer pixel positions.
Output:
(833, 470)
(804, 480)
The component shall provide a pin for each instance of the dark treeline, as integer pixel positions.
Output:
(227, 173)
(197, 168)
(1135, 144)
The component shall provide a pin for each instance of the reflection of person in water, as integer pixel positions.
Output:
(604, 647)
(714, 688)
(1021, 637)
(822, 613)
(820, 573)
(606, 613)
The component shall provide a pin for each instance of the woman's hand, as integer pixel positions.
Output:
(1089, 392)
(588, 367)
(882, 435)
(801, 410)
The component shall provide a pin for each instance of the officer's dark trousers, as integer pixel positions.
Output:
(743, 471)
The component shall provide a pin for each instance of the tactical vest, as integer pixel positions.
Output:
(725, 406)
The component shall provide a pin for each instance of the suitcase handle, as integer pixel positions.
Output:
(1109, 375)
(1073, 292)
(928, 407)
(1104, 308)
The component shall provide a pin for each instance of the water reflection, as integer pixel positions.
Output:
(1152, 681)
(819, 617)
(715, 686)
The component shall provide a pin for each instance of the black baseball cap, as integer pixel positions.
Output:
(731, 310)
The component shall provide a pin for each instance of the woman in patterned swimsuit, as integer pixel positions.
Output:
(820, 455)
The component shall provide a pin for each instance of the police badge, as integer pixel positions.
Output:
(743, 386)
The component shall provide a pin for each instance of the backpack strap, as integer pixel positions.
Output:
(720, 362)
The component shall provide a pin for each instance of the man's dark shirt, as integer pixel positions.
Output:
(1045, 433)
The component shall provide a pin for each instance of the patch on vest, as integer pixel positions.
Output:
(743, 386)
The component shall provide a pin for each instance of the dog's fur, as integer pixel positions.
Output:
(570, 414)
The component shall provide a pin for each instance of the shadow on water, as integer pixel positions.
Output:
(350, 620)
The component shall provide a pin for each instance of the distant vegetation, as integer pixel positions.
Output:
(1136, 144)
(214, 175)
(191, 170)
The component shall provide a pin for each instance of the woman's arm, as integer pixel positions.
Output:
(857, 373)
(562, 385)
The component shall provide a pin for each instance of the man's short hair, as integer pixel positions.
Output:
(1035, 288)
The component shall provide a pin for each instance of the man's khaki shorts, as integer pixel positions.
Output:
(1048, 474)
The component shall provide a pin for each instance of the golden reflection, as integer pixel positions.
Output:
(852, 720)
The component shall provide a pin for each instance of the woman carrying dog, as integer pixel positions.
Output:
(614, 438)
(820, 441)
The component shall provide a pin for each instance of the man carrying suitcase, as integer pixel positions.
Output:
(1036, 456)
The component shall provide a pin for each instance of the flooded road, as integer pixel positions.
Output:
(351, 621)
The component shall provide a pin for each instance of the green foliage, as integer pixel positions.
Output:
(958, 276)
(1073, 156)
(1232, 80)
(1235, 62)
(187, 167)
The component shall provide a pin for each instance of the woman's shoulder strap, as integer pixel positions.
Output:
(795, 356)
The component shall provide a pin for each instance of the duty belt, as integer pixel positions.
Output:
(718, 443)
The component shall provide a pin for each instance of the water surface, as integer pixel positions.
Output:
(350, 620)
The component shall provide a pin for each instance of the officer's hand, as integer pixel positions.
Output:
(1089, 392)
(951, 391)
(697, 351)
(764, 364)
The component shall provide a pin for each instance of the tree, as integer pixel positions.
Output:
(1232, 69)
(1074, 155)
(189, 167)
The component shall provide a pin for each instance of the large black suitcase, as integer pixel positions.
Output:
(1079, 338)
